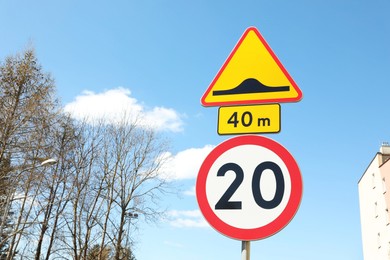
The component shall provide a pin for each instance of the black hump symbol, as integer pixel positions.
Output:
(250, 86)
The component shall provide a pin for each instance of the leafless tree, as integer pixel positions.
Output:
(133, 157)
(27, 104)
(106, 173)
(85, 206)
(56, 188)
(118, 175)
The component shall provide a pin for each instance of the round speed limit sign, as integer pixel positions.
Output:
(249, 187)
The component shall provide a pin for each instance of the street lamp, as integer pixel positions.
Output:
(132, 215)
(50, 161)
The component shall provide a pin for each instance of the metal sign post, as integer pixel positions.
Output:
(246, 250)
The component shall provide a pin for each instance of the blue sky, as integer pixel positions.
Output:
(160, 56)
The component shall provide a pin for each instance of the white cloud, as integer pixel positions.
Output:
(164, 117)
(114, 105)
(187, 218)
(186, 164)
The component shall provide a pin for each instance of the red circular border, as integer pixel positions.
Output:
(254, 233)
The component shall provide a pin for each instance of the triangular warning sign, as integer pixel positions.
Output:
(252, 74)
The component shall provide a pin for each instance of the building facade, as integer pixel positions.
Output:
(374, 201)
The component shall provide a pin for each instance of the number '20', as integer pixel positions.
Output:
(225, 203)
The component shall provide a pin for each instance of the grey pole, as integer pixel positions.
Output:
(245, 250)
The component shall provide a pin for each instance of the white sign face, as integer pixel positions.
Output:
(250, 215)
(249, 187)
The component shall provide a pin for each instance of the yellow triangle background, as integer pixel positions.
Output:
(252, 58)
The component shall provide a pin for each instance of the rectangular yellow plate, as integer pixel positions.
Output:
(249, 119)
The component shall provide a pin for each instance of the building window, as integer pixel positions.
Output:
(379, 240)
(387, 217)
(373, 180)
(384, 185)
(376, 209)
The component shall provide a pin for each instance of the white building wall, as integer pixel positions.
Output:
(374, 213)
